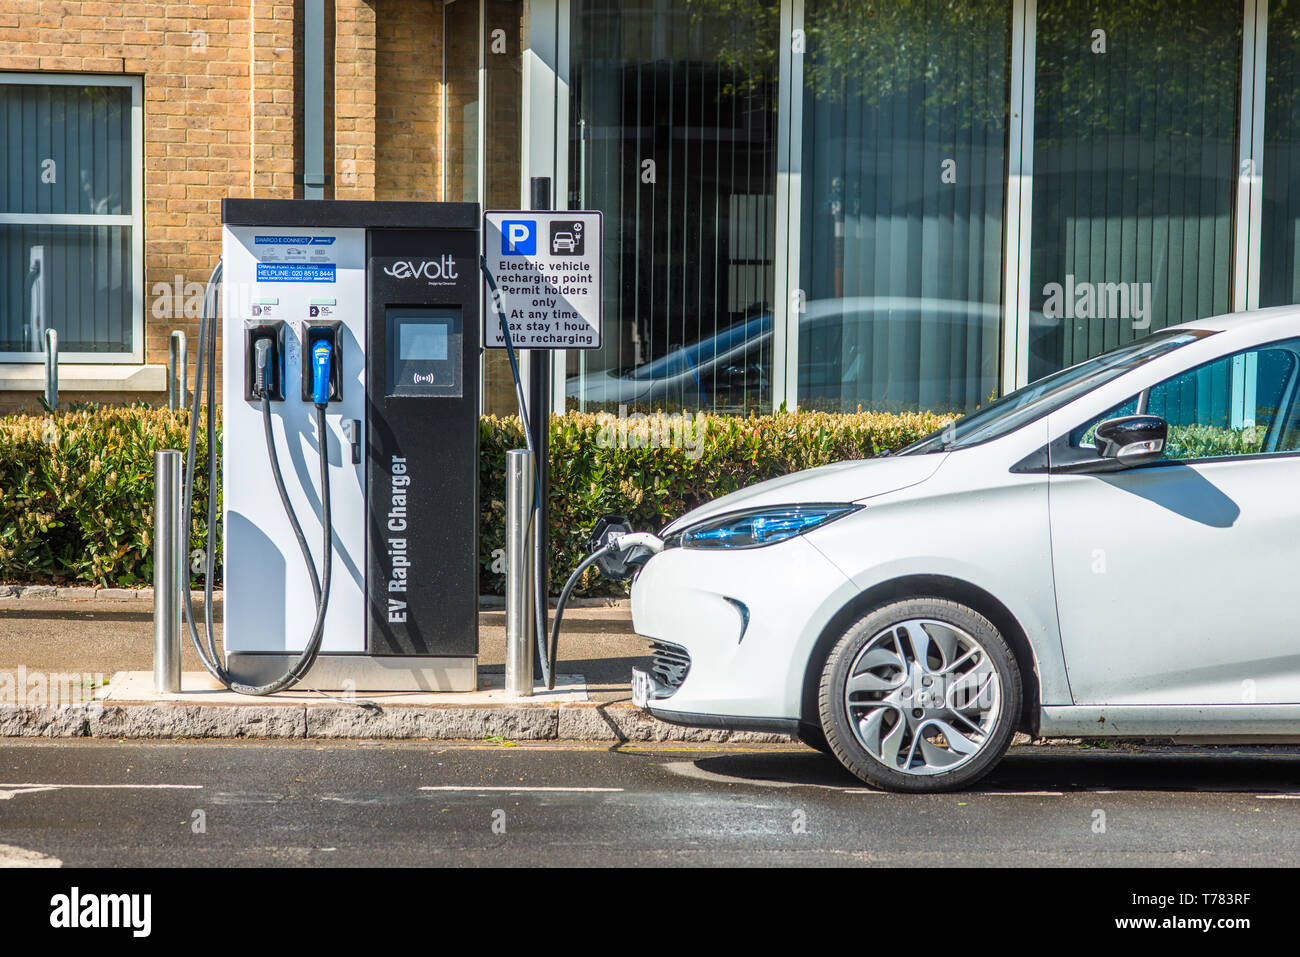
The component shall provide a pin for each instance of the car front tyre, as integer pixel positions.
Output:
(920, 695)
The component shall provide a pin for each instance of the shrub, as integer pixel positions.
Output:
(76, 487)
(76, 493)
(595, 470)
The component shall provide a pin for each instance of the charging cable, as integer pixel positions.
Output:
(618, 542)
(205, 390)
(320, 585)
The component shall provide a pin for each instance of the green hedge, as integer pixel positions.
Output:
(76, 488)
(76, 493)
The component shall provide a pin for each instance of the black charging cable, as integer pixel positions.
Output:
(320, 585)
(205, 386)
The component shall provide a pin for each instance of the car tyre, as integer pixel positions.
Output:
(920, 695)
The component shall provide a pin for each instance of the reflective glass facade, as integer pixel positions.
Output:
(920, 205)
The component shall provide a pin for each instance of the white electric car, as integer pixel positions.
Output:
(1109, 551)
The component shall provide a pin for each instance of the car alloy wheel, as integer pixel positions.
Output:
(922, 697)
(919, 696)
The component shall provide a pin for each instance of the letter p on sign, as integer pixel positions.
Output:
(519, 237)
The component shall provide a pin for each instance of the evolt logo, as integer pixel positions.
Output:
(430, 270)
(75, 909)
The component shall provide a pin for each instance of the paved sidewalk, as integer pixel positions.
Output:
(108, 646)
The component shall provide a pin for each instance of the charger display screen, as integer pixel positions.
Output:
(424, 347)
(422, 341)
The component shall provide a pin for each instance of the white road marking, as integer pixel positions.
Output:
(512, 790)
(7, 791)
(11, 856)
(1000, 794)
(1277, 797)
(8, 795)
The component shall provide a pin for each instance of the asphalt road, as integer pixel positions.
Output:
(110, 804)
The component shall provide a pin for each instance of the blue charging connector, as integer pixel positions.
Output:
(321, 353)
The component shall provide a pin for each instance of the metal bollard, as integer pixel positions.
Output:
(520, 624)
(52, 369)
(168, 571)
(177, 373)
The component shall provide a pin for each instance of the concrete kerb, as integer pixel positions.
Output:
(610, 722)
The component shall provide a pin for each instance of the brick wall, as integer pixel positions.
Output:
(218, 116)
(354, 100)
(223, 112)
(407, 87)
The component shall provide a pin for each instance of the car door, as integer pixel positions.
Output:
(1176, 581)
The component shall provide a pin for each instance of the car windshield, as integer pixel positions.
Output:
(1050, 393)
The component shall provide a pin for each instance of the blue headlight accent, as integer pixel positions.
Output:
(760, 527)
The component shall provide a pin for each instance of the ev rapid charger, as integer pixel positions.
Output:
(371, 309)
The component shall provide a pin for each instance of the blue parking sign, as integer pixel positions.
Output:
(519, 237)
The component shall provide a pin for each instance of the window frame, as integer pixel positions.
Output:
(134, 220)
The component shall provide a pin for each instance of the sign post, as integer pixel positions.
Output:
(544, 268)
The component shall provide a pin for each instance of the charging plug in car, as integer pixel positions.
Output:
(617, 552)
(616, 556)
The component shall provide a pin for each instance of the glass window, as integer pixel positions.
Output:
(1136, 112)
(1243, 404)
(904, 181)
(673, 137)
(1279, 261)
(69, 231)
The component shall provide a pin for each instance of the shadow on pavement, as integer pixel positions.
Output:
(1254, 770)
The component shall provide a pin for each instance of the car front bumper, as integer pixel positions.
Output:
(732, 630)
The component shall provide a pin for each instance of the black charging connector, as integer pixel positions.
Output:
(269, 377)
(331, 331)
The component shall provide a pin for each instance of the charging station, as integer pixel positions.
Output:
(356, 323)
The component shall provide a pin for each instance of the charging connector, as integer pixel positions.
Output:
(321, 354)
(327, 333)
(264, 360)
(262, 363)
(629, 549)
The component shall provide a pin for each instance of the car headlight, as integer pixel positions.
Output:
(758, 527)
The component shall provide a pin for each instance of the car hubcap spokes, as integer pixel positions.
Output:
(922, 697)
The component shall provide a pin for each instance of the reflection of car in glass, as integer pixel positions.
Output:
(848, 354)
(1108, 551)
(563, 243)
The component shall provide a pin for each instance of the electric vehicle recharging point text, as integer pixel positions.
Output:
(355, 323)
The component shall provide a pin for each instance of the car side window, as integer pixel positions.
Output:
(1242, 404)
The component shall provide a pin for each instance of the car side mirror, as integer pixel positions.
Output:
(1132, 439)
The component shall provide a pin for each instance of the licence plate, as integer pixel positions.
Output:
(641, 688)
